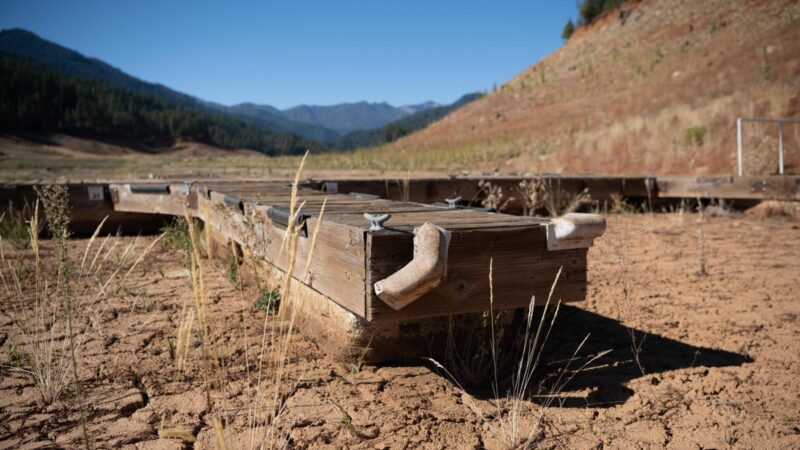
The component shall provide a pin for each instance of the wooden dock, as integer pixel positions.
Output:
(657, 191)
(349, 258)
(400, 283)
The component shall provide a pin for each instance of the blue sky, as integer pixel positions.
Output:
(289, 52)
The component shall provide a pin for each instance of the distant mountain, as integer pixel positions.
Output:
(273, 118)
(320, 123)
(38, 99)
(424, 116)
(341, 118)
(411, 109)
(346, 117)
(23, 43)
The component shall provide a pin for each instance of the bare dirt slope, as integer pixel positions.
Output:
(717, 367)
(62, 145)
(654, 87)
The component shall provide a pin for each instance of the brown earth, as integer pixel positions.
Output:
(654, 87)
(717, 367)
(62, 145)
(62, 157)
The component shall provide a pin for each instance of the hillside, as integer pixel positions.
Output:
(38, 100)
(321, 123)
(653, 87)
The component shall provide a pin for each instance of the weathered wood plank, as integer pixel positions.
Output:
(753, 188)
(522, 267)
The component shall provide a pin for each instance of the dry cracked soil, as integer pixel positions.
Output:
(696, 361)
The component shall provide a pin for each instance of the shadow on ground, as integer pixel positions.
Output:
(606, 378)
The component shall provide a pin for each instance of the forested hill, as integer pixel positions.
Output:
(24, 44)
(36, 99)
(321, 123)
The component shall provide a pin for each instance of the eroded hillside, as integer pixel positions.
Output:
(653, 87)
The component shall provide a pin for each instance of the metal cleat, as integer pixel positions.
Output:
(453, 202)
(376, 220)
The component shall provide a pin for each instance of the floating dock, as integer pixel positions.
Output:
(396, 260)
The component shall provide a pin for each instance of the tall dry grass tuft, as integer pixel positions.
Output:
(701, 238)
(533, 195)
(271, 377)
(268, 380)
(55, 199)
(41, 332)
(492, 196)
(512, 419)
(56, 304)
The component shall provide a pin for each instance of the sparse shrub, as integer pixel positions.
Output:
(657, 57)
(558, 202)
(620, 205)
(232, 271)
(542, 149)
(50, 327)
(764, 67)
(569, 28)
(701, 239)
(695, 135)
(55, 199)
(269, 301)
(358, 362)
(505, 422)
(590, 9)
(533, 195)
(472, 345)
(493, 197)
(14, 227)
(717, 25)
(16, 356)
(176, 235)
(171, 349)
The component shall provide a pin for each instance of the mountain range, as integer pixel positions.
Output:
(330, 125)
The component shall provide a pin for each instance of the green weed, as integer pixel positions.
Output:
(695, 135)
(269, 301)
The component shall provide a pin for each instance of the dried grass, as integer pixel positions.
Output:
(512, 419)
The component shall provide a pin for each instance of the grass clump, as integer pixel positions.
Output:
(176, 235)
(695, 135)
(44, 296)
(764, 68)
(232, 272)
(717, 25)
(14, 225)
(512, 419)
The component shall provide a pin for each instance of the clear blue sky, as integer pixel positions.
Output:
(290, 52)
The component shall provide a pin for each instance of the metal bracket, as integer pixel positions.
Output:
(149, 188)
(376, 220)
(234, 202)
(331, 187)
(453, 202)
(758, 186)
(280, 217)
(186, 187)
